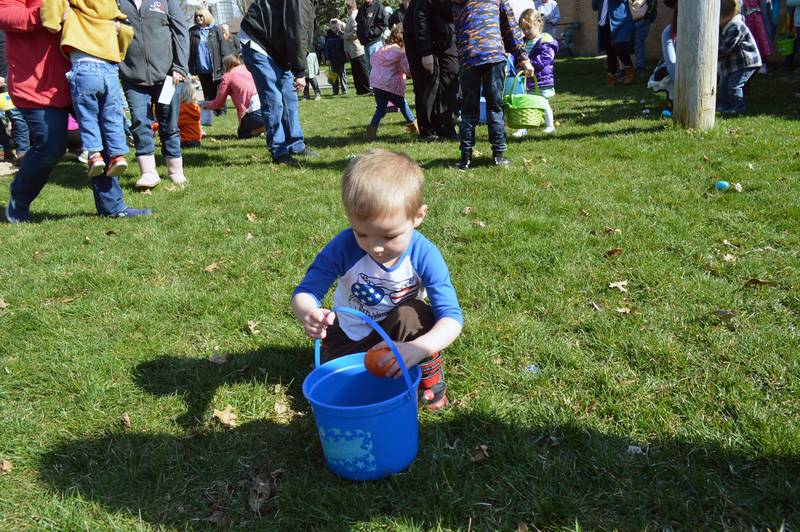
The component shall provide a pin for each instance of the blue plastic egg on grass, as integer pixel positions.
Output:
(722, 186)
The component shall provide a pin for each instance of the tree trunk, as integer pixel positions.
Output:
(696, 83)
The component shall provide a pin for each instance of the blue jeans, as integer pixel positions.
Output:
(641, 30)
(731, 90)
(275, 86)
(369, 51)
(140, 100)
(48, 130)
(19, 131)
(382, 99)
(97, 100)
(490, 77)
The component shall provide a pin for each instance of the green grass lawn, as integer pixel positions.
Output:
(107, 317)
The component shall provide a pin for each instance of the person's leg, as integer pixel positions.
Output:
(493, 92)
(623, 53)
(446, 95)
(139, 103)
(249, 124)
(315, 86)
(294, 141)
(20, 133)
(170, 133)
(87, 87)
(424, 98)
(360, 75)
(735, 83)
(668, 50)
(641, 31)
(48, 136)
(381, 101)
(401, 103)
(5, 141)
(112, 115)
(612, 65)
(342, 79)
(470, 109)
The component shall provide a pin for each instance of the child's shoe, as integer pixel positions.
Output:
(519, 133)
(549, 129)
(147, 166)
(630, 76)
(371, 133)
(612, 79)
(15, 214)
(175, 171)
(500, 159)
(96, 164)
(131, 213)
(466, 159)
(413, 128)
(117, 166)
(432, 393)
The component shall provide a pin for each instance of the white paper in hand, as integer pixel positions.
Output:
(167, 91)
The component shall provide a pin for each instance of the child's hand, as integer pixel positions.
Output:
(529, 70)
(411, 353)
(316, 321)
(427, 63)
(117, 26)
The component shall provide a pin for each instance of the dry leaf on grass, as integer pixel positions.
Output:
(584, 212)
(623, 310)
(5, 467)
(479, 453)
(635, 449)
(280, 407)
(738, 187)
(527, 163)
(3, 304)
(498, 361)
(218, 358)
(595, 306)
(213, 266)
(252, 327)
(725, 315)
(522, 527)
(227, 417)
(758, 283)
(251, 217)
(467, 210)
(611, 230)
(479, 223)
(111, 232)
(248, 237)
(259, 491)
(219, 518)
(125, 421)
(613, 252)
(729, 258)
(619, 285)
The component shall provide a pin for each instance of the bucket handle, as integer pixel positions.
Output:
(524, 88)
(378, 329)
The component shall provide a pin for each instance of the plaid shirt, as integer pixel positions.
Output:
(737, 48)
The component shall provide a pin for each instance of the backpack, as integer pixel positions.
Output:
(638, 8)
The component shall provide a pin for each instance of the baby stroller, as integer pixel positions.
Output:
(661, 82)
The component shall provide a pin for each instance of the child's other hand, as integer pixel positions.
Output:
(529, 70)
(316, 321)
(411, 353)
(117, 26)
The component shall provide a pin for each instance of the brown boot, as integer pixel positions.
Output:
(630, 76)
(612, 79)
(371, 133)
(413, 128)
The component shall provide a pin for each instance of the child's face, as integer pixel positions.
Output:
(531, 31)
(385, 239)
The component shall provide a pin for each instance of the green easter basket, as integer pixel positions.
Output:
(785, 45)
(524, 111)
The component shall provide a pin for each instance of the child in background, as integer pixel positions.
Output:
(738, 58)
(312, 69)
(754, 19)
(550, 15)
(388, 81)
(384, 269)
(541, 49)
(485, 29)
(189, 118)
(95, 39)
(334, 52)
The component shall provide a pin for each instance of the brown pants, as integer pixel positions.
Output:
(409, 320)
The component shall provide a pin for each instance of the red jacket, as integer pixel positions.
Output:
(36, 67)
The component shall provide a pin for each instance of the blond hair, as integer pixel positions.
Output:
(208, 18)
(727, 10)
(381, 182)
(187, 93)
(531, 17)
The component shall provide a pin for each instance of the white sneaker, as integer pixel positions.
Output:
(519, 133)
(549, 129)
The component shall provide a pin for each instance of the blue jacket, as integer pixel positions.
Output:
(619, 17)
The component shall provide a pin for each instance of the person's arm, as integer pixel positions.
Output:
(555, 14)
(729, 40)
(16, 16)
(300, 20)
(422, 30)
(222, 93)
(379, 22)
(52, 13)
(512, 36)
(350, 34)
(545, 57)
(404, 66)
(180, 39)
(442, 334)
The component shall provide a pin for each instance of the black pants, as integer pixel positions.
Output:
(620, 51)
(341, 78)
(360, 75)
(248, 123)
(209, 85)
(435, 94)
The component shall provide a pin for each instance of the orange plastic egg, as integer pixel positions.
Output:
(372, 361)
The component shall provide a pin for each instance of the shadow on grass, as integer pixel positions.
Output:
(196, 380)
(548, 474)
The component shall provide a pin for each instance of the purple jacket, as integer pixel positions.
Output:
(542, 53)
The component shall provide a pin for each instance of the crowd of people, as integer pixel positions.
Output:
(93, 62)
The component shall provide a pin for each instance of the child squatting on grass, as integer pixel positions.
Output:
(385, 269)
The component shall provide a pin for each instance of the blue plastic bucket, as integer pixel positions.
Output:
(367, 425)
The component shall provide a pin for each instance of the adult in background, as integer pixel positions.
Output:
(233, 40)
(238, 83)
(398, 14)
(275, 37)
(355, 50)
(551, 15)
(160, 49)
(433, 58)
(207, 47)
(614, 37)
(38, 85)
(372, 22)
(641, 29)
(334, 51)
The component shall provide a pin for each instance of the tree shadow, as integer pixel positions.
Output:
(196, 380)
(548, 474)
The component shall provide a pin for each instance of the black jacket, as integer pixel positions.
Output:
(397, 17)
(334, 48)
(217, 45)
(371, 21)
(428, 28)
(284, 29)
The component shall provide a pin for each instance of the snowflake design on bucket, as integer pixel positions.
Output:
(349, 449)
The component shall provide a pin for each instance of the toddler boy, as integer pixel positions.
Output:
(739, 58)
(385, 269)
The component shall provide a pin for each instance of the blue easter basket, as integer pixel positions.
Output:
(367, 425)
